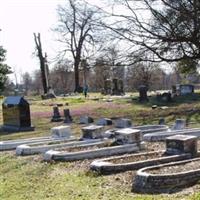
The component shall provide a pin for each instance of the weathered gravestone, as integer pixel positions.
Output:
(161, 121)
(86, 120)
(185, 89)
(56, 115)
(123, 123)
(143, 93)
(67, 116)
(178, 144)
(118, 87)
(104, 122)
(107, 87)
(92, 132)
(128, 136)
(121, 87)
(179, 124)
(16, 114)
(61, 132)
(113, 87)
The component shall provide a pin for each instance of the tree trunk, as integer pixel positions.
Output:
(42, 62)
(43, 74)
(76, 74)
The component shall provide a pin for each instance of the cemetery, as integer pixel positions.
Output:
(105, 105)
(153, 157)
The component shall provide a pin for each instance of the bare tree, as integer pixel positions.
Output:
(36, 82)
(43, 62)
(147, 74)
(165, 30)
(78, 31)
(101, 72)
(62, 78)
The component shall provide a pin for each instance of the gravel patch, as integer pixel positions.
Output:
(190, 166)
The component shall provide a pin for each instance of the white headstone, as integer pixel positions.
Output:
(92, 132)
(128, 136)
(61, 131)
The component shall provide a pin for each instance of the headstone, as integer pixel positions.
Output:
(61, 131)
(92, 132)
(67, 116)
(166, 97)
(16, 114)
(56, 115)
(115, 87)
(161, 121)
(104, 122)
(186, 89)
(179, 124)
(107, 87)
(174, 92)
(121, 86)
(143, 93)
(86, 120)
(178, 144)
(123, 123)
(128, 136)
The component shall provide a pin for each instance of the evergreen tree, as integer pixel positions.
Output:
(4, 69)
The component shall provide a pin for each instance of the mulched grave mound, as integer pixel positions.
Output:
(134, 158)
(195, 165)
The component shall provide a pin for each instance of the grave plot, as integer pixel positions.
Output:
(60, 133)
(178, 147)
(146, 129)
(131, 142)
(36, 148)
(91, 134)
(167, 178)
(152, 128)
(88, 153)
(133, 162)
(161, 136)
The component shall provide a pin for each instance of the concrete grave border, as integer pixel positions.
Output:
(36, 148)
(106, 166)
(161, 183)
(91, 154)
(12, 144)
(161, 136)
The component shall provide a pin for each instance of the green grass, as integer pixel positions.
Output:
(29, 178)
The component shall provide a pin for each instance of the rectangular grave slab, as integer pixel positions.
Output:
(123, 123)
(61, 131)
(128, 136)
(104, 122)
(92, 132)
(86, 120)
(178, 144)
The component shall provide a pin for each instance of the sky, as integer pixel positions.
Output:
(19, 19)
